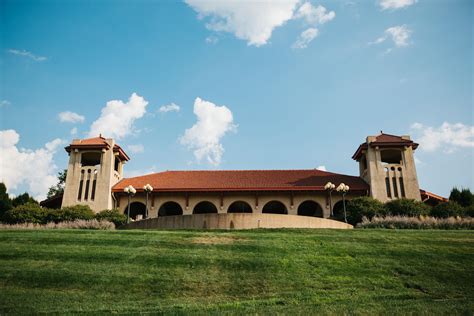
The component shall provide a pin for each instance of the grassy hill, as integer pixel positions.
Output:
(259, 271)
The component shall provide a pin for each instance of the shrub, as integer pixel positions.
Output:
(78, 224)
(406, 207)
(447, 209)
(26, 213)
(113, 216)
(422, 222)
(469, 211)
(70, 213)
(363, 207)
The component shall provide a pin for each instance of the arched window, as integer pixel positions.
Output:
(204, 207)
(170, 209)
(310, 208)
(239, 207)
(137, 210)
(275, 207)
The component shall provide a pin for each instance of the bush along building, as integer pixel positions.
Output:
(95, 178)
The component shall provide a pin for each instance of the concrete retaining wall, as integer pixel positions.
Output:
(236, 221)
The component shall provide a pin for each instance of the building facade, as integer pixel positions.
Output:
(95, 178)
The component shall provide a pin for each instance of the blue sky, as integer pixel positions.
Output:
(286, 85)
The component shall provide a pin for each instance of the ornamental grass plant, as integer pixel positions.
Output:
(420, 222)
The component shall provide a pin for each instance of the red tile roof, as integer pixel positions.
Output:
(241, 180)
(429, 195)
(97, 143)
(384, 140)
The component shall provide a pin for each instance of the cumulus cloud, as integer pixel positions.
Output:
(399, 34)
(448, 136)
(117, 117)
(251, 21)
(321, 168)
(169, 108)
(136, 148)
(70, 117)
(74, 131)
(33, 168)
(25, 53)
(204, 137)
(305, 38)
(395, 4)
(314, 15)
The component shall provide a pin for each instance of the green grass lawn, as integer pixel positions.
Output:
(257, 272)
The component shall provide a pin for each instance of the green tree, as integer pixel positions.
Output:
(464, 197)
(59, 187)
(5, 201)
(23, 199)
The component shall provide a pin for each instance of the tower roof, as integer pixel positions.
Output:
(96, 143)
(384, 140)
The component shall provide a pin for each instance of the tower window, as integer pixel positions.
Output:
(79, 194)
(90, 159)
(116, 164)
(402, 187)
(387, 187)
(86, 194)
(391, 156)
(395, 190)
(94, 183)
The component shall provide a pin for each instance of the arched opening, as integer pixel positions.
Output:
(170, 209)
(204, 207)
(137, 210)
(275, 207)
(310, 208)
(239, 207)
(338, 211)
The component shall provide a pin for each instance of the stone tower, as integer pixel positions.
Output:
(95, 166)
(387, 164)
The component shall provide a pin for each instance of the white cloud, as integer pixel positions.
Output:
(448, 136)
(395, 4)
(251, 21)
(26, 53)
(204, 137)
(212, 39)
(399, 34)
(169, 108)
(314, 15)
(70, 117)
(136, 148)
(305, 38)
(4, 103)
(321, 168)
(74, 131)
(34, 168)
(117, 118)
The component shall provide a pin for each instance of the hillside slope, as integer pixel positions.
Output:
(260, 271)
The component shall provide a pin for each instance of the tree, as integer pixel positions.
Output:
(363, 207)
(447, 209)
(464, 197)
(5, 202)
(406, 207)
(59, 187)
(23, 199)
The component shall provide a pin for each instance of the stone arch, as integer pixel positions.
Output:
(310, 208)
(338, 211)
(275, 207)
(204, 207)
(170, 208)
(136, 209)
(239, 207)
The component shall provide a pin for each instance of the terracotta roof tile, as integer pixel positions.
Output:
(241, 180)
(384, 140)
